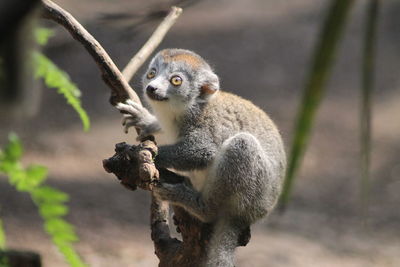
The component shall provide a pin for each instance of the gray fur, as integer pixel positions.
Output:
(230, 149)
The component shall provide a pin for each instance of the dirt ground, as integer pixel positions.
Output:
(261, 50)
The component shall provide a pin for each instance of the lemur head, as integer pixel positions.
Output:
(179, 76)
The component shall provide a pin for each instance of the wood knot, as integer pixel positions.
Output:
(134, 165)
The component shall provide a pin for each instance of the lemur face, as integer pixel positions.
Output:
(179, 76)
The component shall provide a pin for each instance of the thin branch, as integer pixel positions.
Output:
(109, 71)
(154, 40)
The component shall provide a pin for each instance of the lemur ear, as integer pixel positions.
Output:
(210, 84)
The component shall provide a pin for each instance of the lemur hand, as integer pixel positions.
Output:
(138, 117)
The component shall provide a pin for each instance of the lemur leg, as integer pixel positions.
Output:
(239, 181)
(227, 193)
(240, 175)
(167, 176)
(183, 195)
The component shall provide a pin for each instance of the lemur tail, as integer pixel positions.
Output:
(222, 244)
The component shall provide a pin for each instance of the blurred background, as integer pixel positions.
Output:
(261, 50)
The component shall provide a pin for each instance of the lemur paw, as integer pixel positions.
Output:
(133, 114)
(128, 121)
(139, 117)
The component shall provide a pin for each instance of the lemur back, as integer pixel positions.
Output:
(227, 114)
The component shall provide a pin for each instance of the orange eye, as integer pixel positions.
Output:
(151, 74)
(176, 80)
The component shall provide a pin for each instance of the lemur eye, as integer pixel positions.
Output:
(151, 74)
(176, 80)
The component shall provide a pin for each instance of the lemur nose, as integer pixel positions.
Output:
(151, 89)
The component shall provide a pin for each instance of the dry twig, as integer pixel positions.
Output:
(109, 71)
(155, 39)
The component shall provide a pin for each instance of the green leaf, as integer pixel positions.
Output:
(56, 78)
(42, 35)
(71, 256)
(320, 71)
(17, 178)
(48, 194)
(27, 180)
(65, 237)
(13, 150)
(52, 210)
(2, 236)
(367, 81)
(36, 175)
(55, 225)
(7, 166)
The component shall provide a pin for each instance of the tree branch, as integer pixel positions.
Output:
(109, 71)
(154, 40)
(134, 167)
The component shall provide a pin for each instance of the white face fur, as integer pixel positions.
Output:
(179, 77)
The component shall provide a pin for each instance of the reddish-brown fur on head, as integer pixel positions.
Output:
(198, 78)
(191, 59)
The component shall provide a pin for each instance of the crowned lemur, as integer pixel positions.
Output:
(228, 148)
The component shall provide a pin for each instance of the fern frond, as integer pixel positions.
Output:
(42, 35)
(3, 259)
(2, 236)
(54, 77)
(49, 201)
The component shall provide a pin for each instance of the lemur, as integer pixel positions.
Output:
(227, 147)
